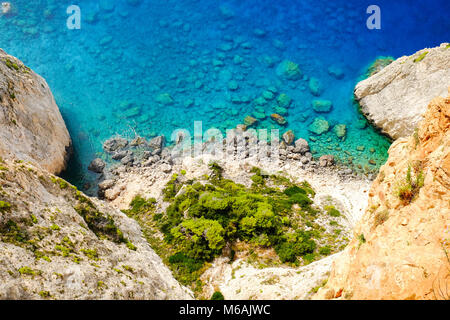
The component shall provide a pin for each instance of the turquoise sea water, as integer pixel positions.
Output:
(214, 59)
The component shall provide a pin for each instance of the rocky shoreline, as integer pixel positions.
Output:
(59, 243)
(126, 156)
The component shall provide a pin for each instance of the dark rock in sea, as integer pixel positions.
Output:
(127, 160)
(97, 165)
(119, 155)
(157, 142)
(114, 144)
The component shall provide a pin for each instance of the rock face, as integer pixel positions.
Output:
(401, 245)
(31, 126)
(395, 98)
(56, 243)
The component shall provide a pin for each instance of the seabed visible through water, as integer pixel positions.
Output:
(151, 67)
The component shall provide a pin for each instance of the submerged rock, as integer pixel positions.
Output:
(165, 99)
(249, 121)
(315, 86)
(340, 130)
(288, 70)
(322, 105)
(319, 126)
(284, 100)
(278, 119)
(336, 72)
(395, 98)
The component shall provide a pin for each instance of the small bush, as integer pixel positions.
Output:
(332, 211)
(409, 188)
(381, 217)
(5, 206)
(325, 251)
(217, 296)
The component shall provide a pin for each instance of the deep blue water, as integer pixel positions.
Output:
(106, 76)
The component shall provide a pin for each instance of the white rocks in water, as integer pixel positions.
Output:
(97, 165)
(288, 137)
(395, 98)
(301, 146)
(31, 126)
(326, 160)
(6, 7)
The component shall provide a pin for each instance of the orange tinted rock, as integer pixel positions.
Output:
(405, 256)
(277, 118)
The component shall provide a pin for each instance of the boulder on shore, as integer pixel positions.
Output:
(395, 98)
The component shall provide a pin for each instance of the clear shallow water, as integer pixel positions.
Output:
(106, 76)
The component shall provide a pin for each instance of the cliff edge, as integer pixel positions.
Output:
(400, 248)
(31, 126)
(395, 98)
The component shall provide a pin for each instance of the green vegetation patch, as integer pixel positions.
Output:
(100, 223)
(421, 57)
(408, 189)
(5, 206)
(205, 217)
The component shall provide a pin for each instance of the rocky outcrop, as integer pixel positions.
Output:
(56, 243)
(31, 126)
(241, 278)
(400, 248)
(395, 97)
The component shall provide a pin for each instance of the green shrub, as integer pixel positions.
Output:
(204, 217)
(290, 191)
(5, 206)
(409, 188)
(183, 261)
(140, 204)
(332, 211)
(325, 251)
(199, 238)
(217, 296)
